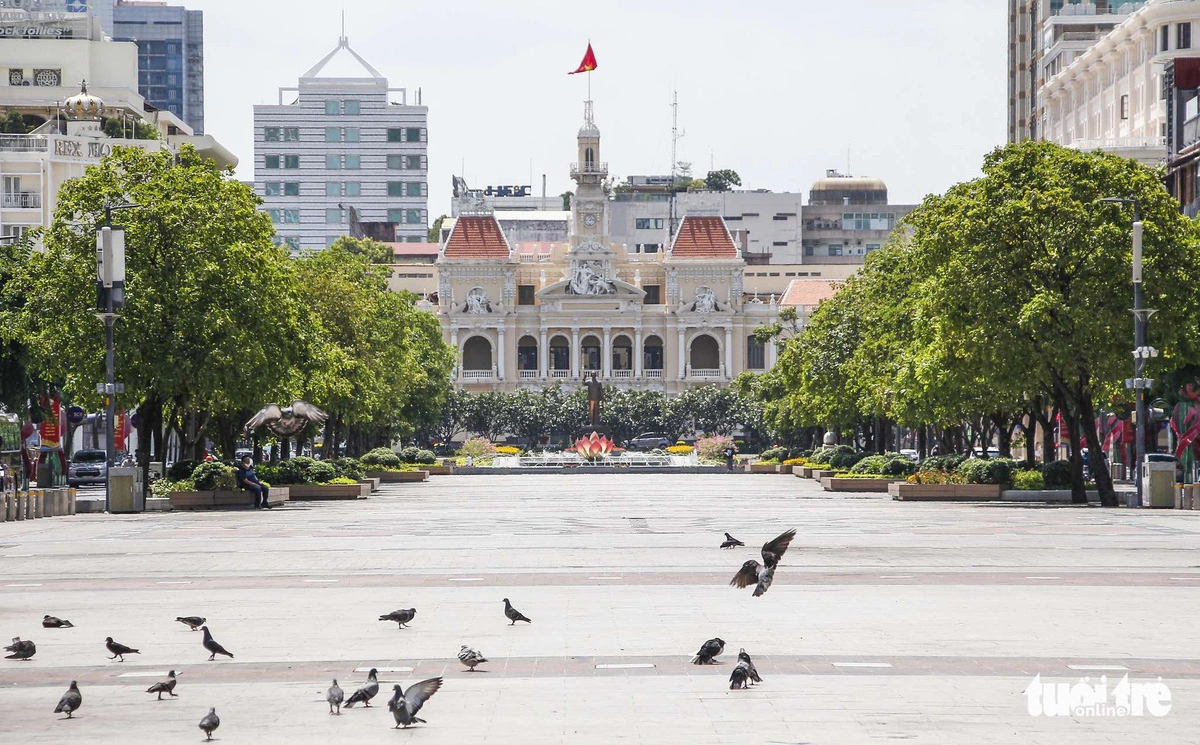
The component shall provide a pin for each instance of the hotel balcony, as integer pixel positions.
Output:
(27, 200)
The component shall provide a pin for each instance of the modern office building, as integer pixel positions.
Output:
(343, 153)
(170, 42)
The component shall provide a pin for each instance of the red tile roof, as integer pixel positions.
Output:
(808, 292)
(413, 249)
(476, 237)
(703, 238)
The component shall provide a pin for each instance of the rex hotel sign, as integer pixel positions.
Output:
(81, 149)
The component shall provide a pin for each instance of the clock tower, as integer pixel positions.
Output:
(589, 205)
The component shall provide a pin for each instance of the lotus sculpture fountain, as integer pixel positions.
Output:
(593, 446)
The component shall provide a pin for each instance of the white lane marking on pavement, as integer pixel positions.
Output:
(175, 582)
(604, 578)
(17, 556)
(1197, 576)
(862, 664)
(624, 665)
(384, 669)
(1097, 667)
(466, 579)
(1043, 578)
(320, 580)
(147, 674)
(895, 576)
(25, 584)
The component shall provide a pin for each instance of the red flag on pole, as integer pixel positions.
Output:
(589, 61)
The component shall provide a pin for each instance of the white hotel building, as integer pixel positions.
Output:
(346, 154)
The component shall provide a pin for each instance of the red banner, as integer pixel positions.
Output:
(49, 429)
(120, 430)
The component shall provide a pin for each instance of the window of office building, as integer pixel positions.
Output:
(525, 294)
(291, 161)
(868, 221)
(291, 216)
(333, 188)
(395, 189)
(291, 188)
(415, 239)
(353, 134)
(271, 161)
(1164, 38)
(350, 108)
(413, 189)
(395, 134)
(352, 189)
(653, 294)
(291, 134)
(1183, 36)
(412, 217)
(334, 216)
(872, 247)
(412, 134)
(648, 223)
(333, 108)
(271, 134)
(333, 134)
(331, 239)
(333, 162)
(353, 162)
(271, 189)
(412, 162)
(651, 248)
(835, 249)
(395, 162)
(276, 216)
(292, 243)
(396, 215)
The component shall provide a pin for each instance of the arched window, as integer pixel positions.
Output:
(589, 350)
(756, 354)
(527, 353)
(477, 354)
(560, 353)
(622, 353)
(705, 353)
(589, 156)
(652, 353)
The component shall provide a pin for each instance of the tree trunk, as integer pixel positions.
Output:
(1099, 463)
(285, 448)
(1030, 436)
(922, 442)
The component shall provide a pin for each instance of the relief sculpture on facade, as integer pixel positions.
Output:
(589, 278)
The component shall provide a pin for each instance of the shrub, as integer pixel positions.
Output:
(507, 450)
(941, 462)
(796, 462)
(1057, 474)
(348, 468)
(381, 457)
(774, 454)
(713, 448)
(181, 469)
(162, 488)
(409, 454)
(342, 480)
(214, 476)
(873, 464)
(936, 477)
(425, 457)
(680, 450)
(845, 461)
(1028, 481)
(477, 447)
(300, 470)
(986, 471)
(826, 454)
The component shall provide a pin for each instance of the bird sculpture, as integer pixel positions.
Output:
(334, 696)
(209, 723)
(50, 622)
(761, 575)
(708, 651)
(192, 622)
(164, 686)
(366, 691)
(21, 650)
(731, 542)
(211, 645)
(513, 614)
(402, 616)
(405, 705)
(286, 422)
(117, 649)
(470, 657)
(70, 701)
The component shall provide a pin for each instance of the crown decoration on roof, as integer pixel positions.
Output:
(84, 106)
(343, 43)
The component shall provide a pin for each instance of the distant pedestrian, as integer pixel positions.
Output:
(470, 461)
(730, 452)
(248, 480)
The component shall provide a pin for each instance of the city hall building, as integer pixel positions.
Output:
(539, 313)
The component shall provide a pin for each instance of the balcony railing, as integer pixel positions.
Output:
(22, 201)
(24, 143)
(476, 375)
(704, 373)
(653, 374)
(560, 374)
(622, 374)
(528, 374)
(589, 166)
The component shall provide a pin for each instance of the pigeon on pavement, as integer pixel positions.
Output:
(21, 650)
(210, 722)
(404, 706)
(737, 678)
(730, 542)
(762, 574)
(513, 614)
(50, 622)
(470, 657)
(401, 616)
(164, 686)
(751, 670)
(192, 622)
(118, 649)
(334, 696)
(366, 691)
(211, 645)
(709, 650)
(70, 701)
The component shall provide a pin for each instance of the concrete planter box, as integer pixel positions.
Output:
(944, 492)
(399, 477)
(786, 469)
(320, 492)
(1049, 496)
(806, 472)
(823, 474)
(209, 500)
(373, 483)
(438, 470)
(759, 468)
(869, 485)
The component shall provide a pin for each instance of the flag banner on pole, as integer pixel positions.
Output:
(589, 61)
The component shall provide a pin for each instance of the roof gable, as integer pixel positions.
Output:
(476, 237)
(807, 293)
(703, 237)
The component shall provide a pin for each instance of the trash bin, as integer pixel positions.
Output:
(124, 490)
(1158, 483)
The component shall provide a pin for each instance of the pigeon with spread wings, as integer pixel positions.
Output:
(761, 575)
(405, 704)
(286, 422)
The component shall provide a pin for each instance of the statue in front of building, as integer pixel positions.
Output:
(595, 397)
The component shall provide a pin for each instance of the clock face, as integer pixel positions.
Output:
(589, 220)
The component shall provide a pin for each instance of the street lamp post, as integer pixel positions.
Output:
(110, 298)
(1141, 352)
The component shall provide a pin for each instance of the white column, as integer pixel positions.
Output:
(682, 354)
(574, 351)
(457, 353)
(543, 356)
(500, 352)
(638, 353)
(606, 354)
(728, 352)
(772, 353)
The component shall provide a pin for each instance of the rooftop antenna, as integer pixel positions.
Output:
(848, 172)
(676, 135)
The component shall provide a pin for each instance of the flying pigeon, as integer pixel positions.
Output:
(751, 670)
(470, 657)
(752, 572)
(404, 706)
(21, 650)
(730, 542)
(211, 645)
(513, 614)
(210, 722)
(365, 692)
(401, 616)
(164, 686)
(192, 622)
(286, 422)
(335, 697)
(50, 622)
(118, 649)
(709, 650)
(70, 701)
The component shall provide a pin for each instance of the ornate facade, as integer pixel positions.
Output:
(538, 314)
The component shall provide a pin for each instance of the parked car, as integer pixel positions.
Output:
(650, 441)
(88, 467)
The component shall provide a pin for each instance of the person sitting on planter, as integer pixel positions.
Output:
(248, 480)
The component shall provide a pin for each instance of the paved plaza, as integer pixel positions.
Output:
(888, 621)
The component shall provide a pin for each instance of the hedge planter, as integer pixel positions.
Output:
(858, 485)
(806, 472)
(761, 468)
(399, 477)
(438, 470)
(786, 469)
(321, 492)
(944, 492)
(1048, 496)
(825, 474)
(209, 500)
(373, 483)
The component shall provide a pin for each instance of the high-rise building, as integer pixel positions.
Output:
(170, 42)
(345, 155)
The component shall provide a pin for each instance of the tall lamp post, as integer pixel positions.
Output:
(1142, 351)
(110, 299)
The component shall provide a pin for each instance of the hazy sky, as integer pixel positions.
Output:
(777, 90)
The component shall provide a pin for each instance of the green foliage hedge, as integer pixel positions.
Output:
(181, 469)
(888, 464)
(779, 454)
(413, 454)
(298, 470)
(349, 468)
(1057, 474)
(381, 457)
(1028, 481)
(987, 471)
(941, 462)
(214, 476)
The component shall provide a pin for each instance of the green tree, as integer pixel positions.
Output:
(452, 418)
(722, 180)
(629, 412)
(435, 230)
(566, 200)
(129, 129)
(371, 250)
(14, 123)
(490, 415)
